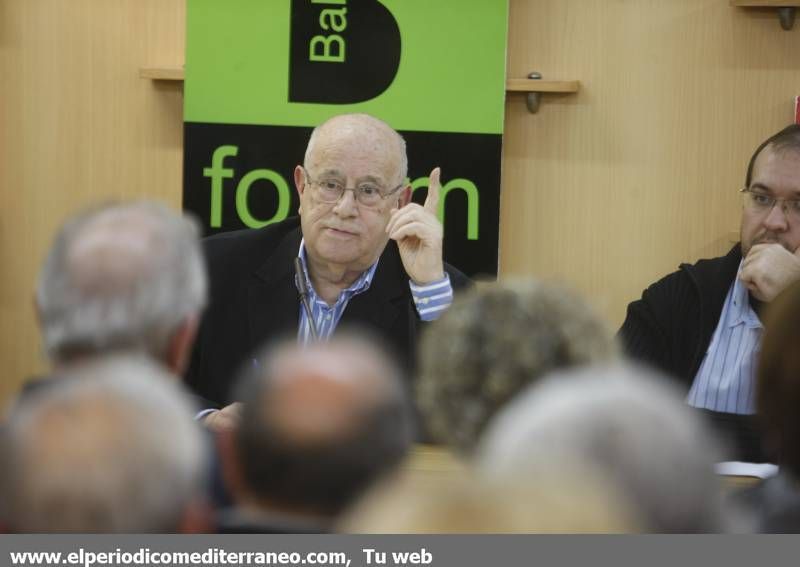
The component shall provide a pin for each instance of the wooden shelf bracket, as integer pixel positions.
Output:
(787, 9)
(786, 16)
(534, 99)
(534, 86)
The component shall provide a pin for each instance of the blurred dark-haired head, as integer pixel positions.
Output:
(786, 139)
(778, 380)
(319, 425)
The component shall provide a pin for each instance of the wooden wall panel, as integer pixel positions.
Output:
(77, 126)
(613, 187)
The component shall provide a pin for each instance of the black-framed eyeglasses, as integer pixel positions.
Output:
(330, 190)
(761, 203)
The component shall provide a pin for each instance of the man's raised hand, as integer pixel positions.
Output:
(418, 234)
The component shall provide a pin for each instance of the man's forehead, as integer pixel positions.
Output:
(341, 156)
(777, 168)
(339, 173)
(356, 139)
(772, 158)
(361, 125)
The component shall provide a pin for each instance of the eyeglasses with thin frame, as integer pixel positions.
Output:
(330, 190)
(762, 203)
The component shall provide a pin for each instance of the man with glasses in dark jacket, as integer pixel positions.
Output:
(360, 253)
(702, 323)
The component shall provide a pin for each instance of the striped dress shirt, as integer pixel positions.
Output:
(430, 301)
(725, 380)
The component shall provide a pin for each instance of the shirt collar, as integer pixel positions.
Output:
(740, 311)
(359, 286)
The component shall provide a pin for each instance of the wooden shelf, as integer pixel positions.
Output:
(541, 86)
(786, 9)
(532, 87)
(766, 3)
(162, 73)
(535, 88)
(512, 85)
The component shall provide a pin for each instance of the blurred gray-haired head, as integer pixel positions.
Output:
(114, 449)
(492, 343)
(631, 425)
(120, 277)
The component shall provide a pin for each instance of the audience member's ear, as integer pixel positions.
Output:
(197, 518)
(180, 345)
(232, 475)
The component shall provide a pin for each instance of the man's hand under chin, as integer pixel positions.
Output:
(225, 419)
(418, 234)
(768, 269)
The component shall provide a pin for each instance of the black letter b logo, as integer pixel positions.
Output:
(342, 51)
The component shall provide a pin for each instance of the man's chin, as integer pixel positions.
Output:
(335, 253)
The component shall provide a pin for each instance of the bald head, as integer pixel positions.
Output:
(320, 424)
(358, 134)
(122, 276)
(323, 393)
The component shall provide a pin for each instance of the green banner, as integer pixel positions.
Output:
(260, 74)
(450, 76)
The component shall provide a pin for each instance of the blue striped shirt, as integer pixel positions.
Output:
(430, 301)
(726, 376)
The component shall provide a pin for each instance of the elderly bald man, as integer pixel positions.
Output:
(367, 255)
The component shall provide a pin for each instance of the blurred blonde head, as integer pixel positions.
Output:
(559, 498)
(492, 343)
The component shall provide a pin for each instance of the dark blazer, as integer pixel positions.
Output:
(671, 327)
(253, 300)
(672, 324)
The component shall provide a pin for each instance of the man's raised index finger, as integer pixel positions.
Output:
(432, 200)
